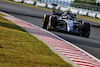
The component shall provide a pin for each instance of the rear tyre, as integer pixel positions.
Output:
(45, 21)
(85, 30)
(86, 34)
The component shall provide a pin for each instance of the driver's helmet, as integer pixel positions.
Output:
(67, 12)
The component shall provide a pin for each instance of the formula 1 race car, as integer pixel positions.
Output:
(61, 22)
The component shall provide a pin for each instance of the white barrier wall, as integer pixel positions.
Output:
(57, 7)
(83, 12)
(98, 15)
(50, 6)
(64, 8)
(25, 1)
(30, 2)
(40, 4)
(92, 14)
(18, 0)
(74, 10)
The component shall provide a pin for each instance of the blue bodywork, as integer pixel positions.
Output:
(69, 25)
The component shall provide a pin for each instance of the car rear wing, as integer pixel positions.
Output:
(57, 13)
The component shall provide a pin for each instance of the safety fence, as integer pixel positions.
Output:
(59, 2)
(84, 12)
(86, 6)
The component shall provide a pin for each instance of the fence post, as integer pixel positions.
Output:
(53, 1)
(64, 3)
(47, 1)
(98, 8)
(57, 2)
(50, 1)
(60, 2)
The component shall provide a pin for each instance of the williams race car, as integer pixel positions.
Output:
(66, 22)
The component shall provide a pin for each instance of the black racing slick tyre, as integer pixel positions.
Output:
(86, 26)
(85, 34)
(52, 23)
(86, 30)
(45, 21)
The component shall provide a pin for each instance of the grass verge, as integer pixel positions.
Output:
(20, 49)
(84, 17)
(89, 18)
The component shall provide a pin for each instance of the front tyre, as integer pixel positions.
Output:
(53, 20)
(45, 21)
(52, 23)
(49, 24)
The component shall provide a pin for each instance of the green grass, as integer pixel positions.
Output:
(84, 17)
(20, 49)
(89, 18)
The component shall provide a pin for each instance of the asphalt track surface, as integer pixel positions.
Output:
(35, 16)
